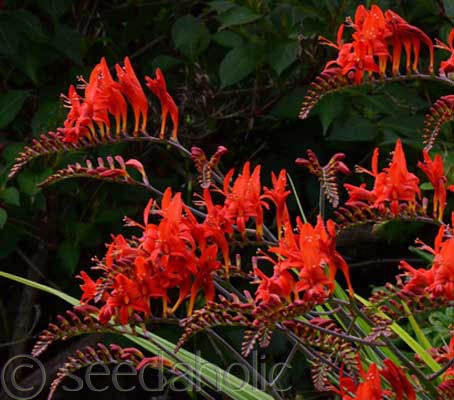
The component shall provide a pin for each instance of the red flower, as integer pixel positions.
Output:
(281, 285)
(278, 195)
(309, 252)
(243, 200)
(410, 37)
(131, 88)
(438, 281)
(392, 186)
(159, 88)
(374, 32)
(447, 67)
(124, 299)
(402, 388)
(206, 265)
(435, 173)
(88, 287)
(115, 102)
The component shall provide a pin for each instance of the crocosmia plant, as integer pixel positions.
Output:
(235, 257)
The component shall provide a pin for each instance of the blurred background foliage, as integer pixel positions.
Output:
(238, 71)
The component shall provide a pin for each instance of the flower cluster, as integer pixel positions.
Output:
(177, 257)
(375, 32)
(437, 281)
(306, 265)
(104, 98)
(371, 387)
(393, 185)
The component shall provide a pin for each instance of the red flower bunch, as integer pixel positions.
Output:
(437, 281)
(371, 386)
(104, 97)
(374, 33)
(181, 254)
(175, 254)
(393, 185)
(306, 264)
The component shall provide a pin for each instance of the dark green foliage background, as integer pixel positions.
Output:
(238, 71)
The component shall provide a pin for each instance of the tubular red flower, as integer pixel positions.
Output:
(130, 86)
(159, 89)
(434, 171)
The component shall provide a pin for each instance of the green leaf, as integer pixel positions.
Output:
(237, 65)
(288, 107)
(11, 151)
(218, 378)
(68, 42)
(50, 114)
(9, 36)
(190, 36)
(422, 339)
(237, 16)
(408, 125)
(228, 39)
(69, 253)
(449, 8)
(55, 8)
(11, 103)
(28, 181)
(11, 196)
(282, 56)
(164, 62)
(221, 6)
(329, 108)
(28, 24)
(426, 186)
(3, 217)
(356, 129)
(412, 343)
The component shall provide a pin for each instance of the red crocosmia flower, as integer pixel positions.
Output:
(131, 88)
(124, 299)
(447, 67)
(435, 173)
(438, 281)
(393, 185)
(243, 200)
(206, 265)
(115, 102)
(402, 388)
(278, 195)
(309, 253)
(73, 102)
(420, 280)
(214, 228)
(280, 285)
(346, 387)
(410, 37)
(159, 88)
(335, 260)
(368, 389)
(371, 29)
(88, 287)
